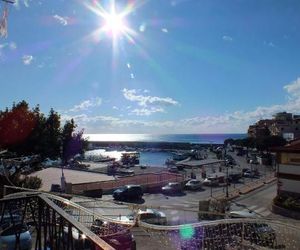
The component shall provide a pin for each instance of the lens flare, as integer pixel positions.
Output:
(113, 23)
(186, 231)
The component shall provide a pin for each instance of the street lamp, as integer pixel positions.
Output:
(62, 179)
(251, 170)
(226, 165)
(227, 181)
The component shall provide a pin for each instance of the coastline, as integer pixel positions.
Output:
(151, 145)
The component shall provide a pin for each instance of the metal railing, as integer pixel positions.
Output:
(259, 233)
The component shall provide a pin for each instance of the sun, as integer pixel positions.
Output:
(114, 24)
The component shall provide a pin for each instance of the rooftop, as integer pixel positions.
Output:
(52, 175)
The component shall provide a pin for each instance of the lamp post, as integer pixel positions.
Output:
(227, 181)
(62, 179)
(251, 170)
(226, 166)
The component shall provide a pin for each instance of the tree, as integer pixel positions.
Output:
(229, 141)
(16, 125)
(31, 182)
(67, 133)
(72, 142)
(27, 131)
(268, 142)
(52, 135)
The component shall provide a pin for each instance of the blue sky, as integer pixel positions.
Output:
(173, 66)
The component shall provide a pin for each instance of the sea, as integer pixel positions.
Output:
(153, 158)
(186, 138)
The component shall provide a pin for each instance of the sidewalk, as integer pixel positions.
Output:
(247, 188)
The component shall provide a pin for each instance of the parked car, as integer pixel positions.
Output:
(172, 188)
(151, 216)
(254, 161)
(210, 181)
(193, 184)
(128, 192)
(245, 170)
(235, 176)
(119, 241)
(230, 161)
(242, 214)
(127, 172)
(173, 169)
(8, 238)
(8, 220)
(251, 174)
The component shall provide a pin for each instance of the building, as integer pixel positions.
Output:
(283, 124)
(260, 129)
(288, 168)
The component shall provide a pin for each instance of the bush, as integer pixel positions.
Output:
(31, 182)
(287, 202)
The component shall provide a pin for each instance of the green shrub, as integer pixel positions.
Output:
(31, 182)
(287, 202)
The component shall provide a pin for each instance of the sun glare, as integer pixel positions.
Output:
(114, 24)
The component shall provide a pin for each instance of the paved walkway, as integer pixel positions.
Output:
(52, 175)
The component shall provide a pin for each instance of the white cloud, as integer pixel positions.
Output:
(144, 101)
(132, 76)
(293, 88)
(62, 20)
(229, 122)
(27, 59)
(12, 45)
(25, 2)
(142, 27)
(149, 104)
(147, 111)
(98, 124)
(240, 120)
(227, 38)
(115, 107)
(270, 44)
(164, 30)
(84, 105)
(128, 65)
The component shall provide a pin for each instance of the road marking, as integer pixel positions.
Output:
(252, 208)
(263, 211)
(259, 210)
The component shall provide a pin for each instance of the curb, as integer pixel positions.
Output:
(271, 180)
(285, 212)
(251, 189)
(231, 196)
(246, 190)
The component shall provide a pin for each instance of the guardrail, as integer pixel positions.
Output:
(53, 227)
(146, 180)
(259, 233)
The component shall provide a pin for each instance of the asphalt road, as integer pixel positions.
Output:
(258, 201)
(182, 208)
